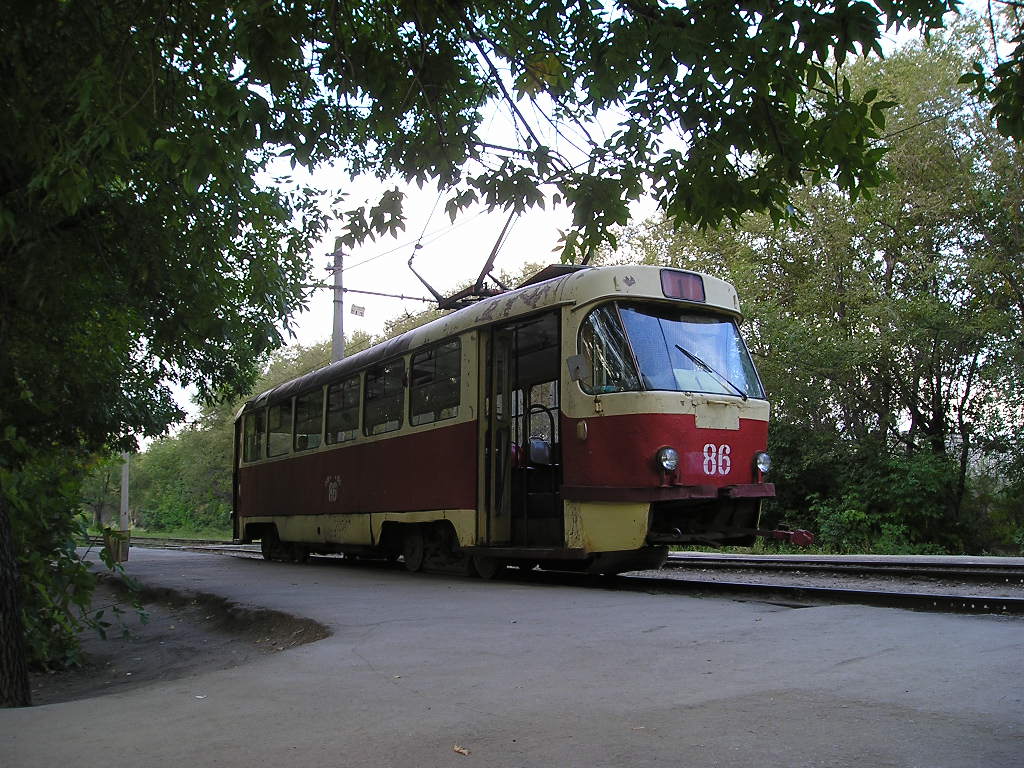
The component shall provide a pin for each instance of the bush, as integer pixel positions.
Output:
(184, 482)
(56, 583)
(844, 526)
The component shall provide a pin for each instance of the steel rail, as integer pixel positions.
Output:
(158, 543)
(802, 595)
(977, 572)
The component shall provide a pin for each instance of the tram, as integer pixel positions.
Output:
(586, 420)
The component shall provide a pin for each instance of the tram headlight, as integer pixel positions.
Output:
(667, 458)
(762, 461)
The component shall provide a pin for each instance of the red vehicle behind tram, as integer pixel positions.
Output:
(585, 421)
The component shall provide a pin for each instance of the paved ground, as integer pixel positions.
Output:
(530, 675)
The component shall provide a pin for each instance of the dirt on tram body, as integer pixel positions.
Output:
(183, 636)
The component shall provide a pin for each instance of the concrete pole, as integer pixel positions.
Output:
(338, 332)
(125, 522)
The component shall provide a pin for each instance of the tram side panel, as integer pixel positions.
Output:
(431, 470)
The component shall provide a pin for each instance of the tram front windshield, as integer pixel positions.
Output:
(674, 348)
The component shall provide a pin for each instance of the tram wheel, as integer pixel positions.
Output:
(413, 550)
(270, 546)
(488, 567)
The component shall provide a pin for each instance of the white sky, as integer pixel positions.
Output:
(451, 253)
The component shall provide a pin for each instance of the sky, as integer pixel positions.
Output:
(451, 253)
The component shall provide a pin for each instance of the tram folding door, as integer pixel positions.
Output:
(522, 453)
(496, 357)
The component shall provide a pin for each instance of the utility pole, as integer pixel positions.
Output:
(338, 333)
(122, 544)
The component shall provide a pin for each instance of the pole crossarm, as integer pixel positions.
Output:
(372, 293)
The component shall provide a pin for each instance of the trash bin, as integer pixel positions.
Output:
(117, 544)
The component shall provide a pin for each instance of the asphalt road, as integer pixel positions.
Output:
(534, 675)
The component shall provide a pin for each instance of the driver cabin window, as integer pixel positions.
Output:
(604, 345)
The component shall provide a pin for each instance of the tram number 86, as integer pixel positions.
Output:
(717, 459)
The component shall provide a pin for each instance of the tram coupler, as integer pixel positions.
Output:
(798, 538)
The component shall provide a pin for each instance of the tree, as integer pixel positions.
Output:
(137, 248)
(101, 490)
(886, 327)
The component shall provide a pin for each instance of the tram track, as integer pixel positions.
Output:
(166, 543)
(805, 595)
(791, 595)
(985, 573)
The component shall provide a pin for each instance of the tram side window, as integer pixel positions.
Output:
(252, 436)
(603, 343)
(279, 429)
(436, 384)
(343, 411)
(385, 396)
(309, 411)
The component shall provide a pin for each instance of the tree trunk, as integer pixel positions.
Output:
(14, 683)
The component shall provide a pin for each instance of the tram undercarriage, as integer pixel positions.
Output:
(715, 522)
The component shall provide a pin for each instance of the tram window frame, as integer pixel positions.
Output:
(435, 393)
(309, 421)
(340, 426)
(253, 435)
(279, 441)
(384, 397)
(602, 340)
(548, 395)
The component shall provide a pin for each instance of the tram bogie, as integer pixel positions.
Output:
(584, 422)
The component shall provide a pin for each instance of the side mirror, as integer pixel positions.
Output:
(579, 368)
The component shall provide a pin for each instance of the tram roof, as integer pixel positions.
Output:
(579, 287)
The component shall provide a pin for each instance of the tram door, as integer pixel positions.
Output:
(497, 440)
(522, 471)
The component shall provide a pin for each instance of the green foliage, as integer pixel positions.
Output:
(843, 525)
(184, 481)
(101, 490)
(56, 583)
(997, 79)
(718, 109)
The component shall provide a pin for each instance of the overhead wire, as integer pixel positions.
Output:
(432, 237)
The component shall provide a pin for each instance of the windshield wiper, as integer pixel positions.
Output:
(710, 370)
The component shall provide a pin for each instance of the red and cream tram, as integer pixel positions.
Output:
(585, 420)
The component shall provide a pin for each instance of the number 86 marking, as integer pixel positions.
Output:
(717, 459)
